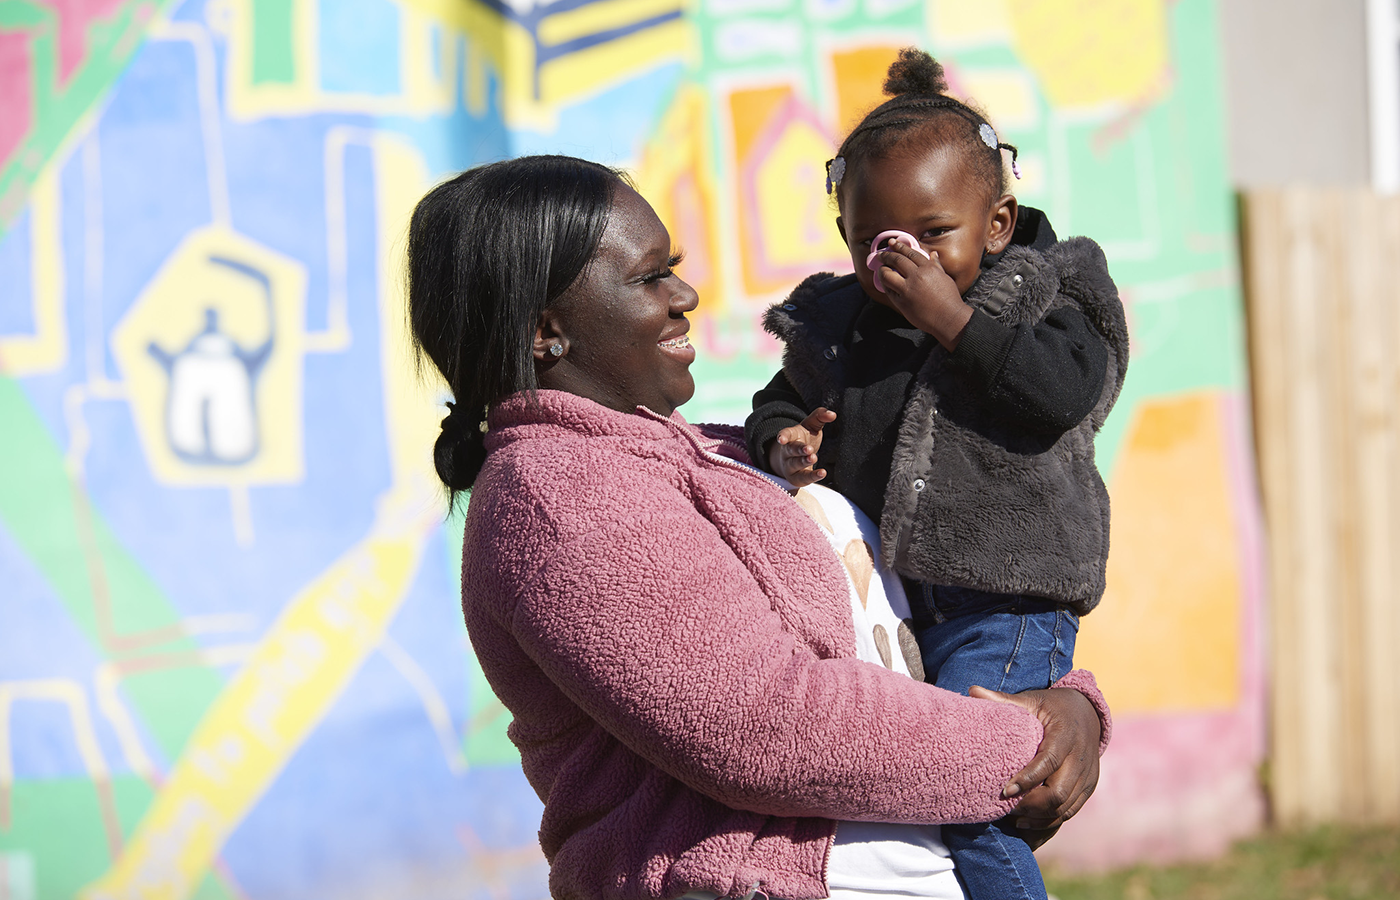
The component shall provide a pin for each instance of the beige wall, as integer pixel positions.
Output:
(1295, 73)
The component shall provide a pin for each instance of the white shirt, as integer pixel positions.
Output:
(877, 859)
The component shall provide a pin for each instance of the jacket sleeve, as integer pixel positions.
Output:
(1045, 377)
(655, 628)
(775, 407)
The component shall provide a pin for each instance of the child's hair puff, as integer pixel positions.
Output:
(915, 72)
(920, 107)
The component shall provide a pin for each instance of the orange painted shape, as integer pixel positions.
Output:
(750, 111)
(1167, 636)
(858, 76)
(673, 175)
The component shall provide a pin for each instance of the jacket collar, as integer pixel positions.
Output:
(520, 414)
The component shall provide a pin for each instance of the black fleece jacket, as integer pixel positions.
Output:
(1043, 377)
(978, 465)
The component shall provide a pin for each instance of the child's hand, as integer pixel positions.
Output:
(794, 454)
(923, 293)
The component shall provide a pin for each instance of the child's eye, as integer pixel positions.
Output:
(936, 232)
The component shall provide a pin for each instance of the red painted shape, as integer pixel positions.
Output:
(74, 19)
(16, 92)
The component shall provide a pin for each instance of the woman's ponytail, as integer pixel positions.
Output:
(460, 449)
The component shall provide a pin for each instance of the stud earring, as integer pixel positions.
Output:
(557, 350)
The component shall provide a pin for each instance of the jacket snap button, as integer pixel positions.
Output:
(789, 307)
(918, 484)
(830, 353)
(1016, 280)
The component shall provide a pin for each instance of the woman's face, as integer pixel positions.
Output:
(622, 323)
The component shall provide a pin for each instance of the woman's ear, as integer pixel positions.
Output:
(550, 343)
(1003, 223)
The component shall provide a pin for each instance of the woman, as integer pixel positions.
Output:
(670, 631)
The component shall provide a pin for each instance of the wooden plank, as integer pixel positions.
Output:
(1348, 248)
(1324, 335)
(1265, 241)
(1379, 459)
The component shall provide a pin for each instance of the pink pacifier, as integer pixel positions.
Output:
(884, 240)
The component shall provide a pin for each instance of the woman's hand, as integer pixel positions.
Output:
(1062, 775)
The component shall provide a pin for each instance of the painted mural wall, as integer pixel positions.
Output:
(231, 657)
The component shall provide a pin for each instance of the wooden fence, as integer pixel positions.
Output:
(1322, 274)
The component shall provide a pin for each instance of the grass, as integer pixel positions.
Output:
(1330, 863)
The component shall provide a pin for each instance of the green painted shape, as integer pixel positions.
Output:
(57, 823)
(57, 111)
(274, 51)
(38, 510)
(213, 888)
(485, 742)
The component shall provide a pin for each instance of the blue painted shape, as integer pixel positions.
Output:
(610, 128)
(16, 312)
(359, 46)
(368, 804)
(39, 640)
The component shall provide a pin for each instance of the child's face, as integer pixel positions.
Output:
(932, 197)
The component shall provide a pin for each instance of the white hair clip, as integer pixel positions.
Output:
(835, 171)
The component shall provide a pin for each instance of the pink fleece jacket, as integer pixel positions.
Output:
(673, 637)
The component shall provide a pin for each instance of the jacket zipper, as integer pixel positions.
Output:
(752, 472)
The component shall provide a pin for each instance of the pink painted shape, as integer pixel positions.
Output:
(1171, 788)
(791, 110)
(16, 93)
(74, 19)
(1186, 786)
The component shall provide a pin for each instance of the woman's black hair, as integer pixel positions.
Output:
(920, 107)
(488, 252)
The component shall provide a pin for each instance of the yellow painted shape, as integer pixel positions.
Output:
(675, 175)
(46, 350)
(260, 719)
(588, 72)
(601, 16)
(171, 311)
(1167, 636)
(423, 91)
(797, 223)
(1090, 52)
(498, 45)
(858, 75)
(1007, 96)
(411, 413)
(958, 23)
(318, 643)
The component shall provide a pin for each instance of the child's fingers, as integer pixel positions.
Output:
(819, 417)
(902, 259)
(806, 476)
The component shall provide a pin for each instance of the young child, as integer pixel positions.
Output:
(951, 389)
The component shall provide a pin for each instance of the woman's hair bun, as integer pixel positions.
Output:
(460, 449)
(915, 72)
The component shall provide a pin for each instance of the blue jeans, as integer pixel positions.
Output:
(1007, 642)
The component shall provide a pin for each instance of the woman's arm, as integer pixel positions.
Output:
(653, 626)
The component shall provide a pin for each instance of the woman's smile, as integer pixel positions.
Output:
(679, 347)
